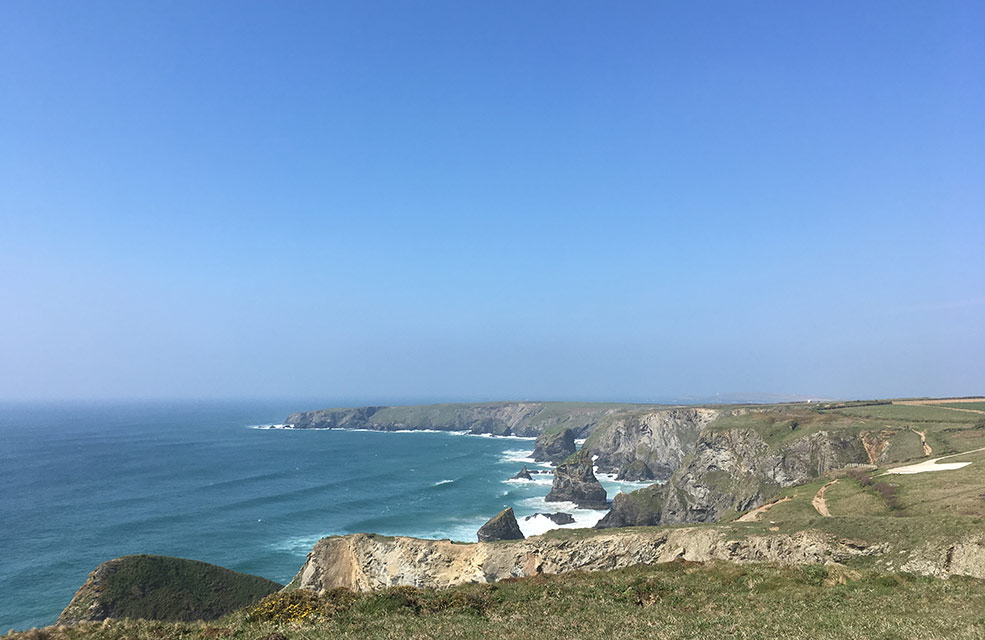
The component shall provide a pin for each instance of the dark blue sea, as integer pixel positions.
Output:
(82, 483)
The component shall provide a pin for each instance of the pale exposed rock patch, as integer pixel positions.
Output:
(364, 562)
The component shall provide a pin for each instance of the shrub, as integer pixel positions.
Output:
(301, 605)
(860, 476)
(888, 493)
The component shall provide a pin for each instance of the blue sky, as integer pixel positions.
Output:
(470, 200)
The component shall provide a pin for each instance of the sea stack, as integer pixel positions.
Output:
(554, 446)
(523, 474)
(502, 526)
(575, 481)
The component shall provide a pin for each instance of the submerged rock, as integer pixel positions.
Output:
(523, 474)
(554, 446)
(502, 526)
(575, 481)
(635, 471)
(557, 518)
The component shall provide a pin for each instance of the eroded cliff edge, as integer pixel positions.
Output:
(365, 562)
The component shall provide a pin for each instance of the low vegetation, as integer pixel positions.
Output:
(677, 600)
(169, 589)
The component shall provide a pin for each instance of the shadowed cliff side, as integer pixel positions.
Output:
(163, 588)
(733, 471)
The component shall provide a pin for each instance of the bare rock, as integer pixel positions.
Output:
(555, 446)
(575, 481)
(523, 474)
(502, 526)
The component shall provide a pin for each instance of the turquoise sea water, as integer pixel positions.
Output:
(84, 483)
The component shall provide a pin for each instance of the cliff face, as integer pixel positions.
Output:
(364, 562)
(732, 471)
(660, 438)
(528, 419)
(554, 446)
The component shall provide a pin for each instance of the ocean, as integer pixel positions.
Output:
(82, 483)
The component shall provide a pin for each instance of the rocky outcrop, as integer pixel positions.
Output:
(575, 481)
(528, 419)
(636, 471)
(733, 471)
(163, 588)
(502, 526)
(556, 518)
(641, 508)
(364, 562)
(554, 446)
(660, 438)
(962, 558)
(523, 474)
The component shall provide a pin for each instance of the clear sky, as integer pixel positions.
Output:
(480, 200)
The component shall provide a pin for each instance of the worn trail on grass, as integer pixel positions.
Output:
(923, 440)
(820, 504)
(755, 514)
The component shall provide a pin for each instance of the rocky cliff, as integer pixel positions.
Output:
(732, 471)
(528, 419)
(554, 446)
(364, 562)
(660, 438)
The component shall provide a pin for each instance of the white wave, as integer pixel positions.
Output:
(445, 431)
(297, 544)
(441, 482)
(584, 518)
(536, 479)
(517, 455)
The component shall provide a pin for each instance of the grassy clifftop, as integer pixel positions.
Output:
(678, 600)
(163, 588)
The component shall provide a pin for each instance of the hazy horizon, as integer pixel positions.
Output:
(491, 201)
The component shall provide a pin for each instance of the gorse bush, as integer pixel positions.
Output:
(888, 493)
(306, 606)
(861, 477)
(301, 605)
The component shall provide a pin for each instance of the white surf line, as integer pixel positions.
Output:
(932, 465)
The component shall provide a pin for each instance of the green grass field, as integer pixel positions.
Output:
(908, 413)
(977, 406)
(678, 600)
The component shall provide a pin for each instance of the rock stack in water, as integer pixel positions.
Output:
(502, 526)
(554, 446)
(575, 481)
(523, 474)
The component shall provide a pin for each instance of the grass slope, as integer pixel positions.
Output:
(164, 588)
(678, 600)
